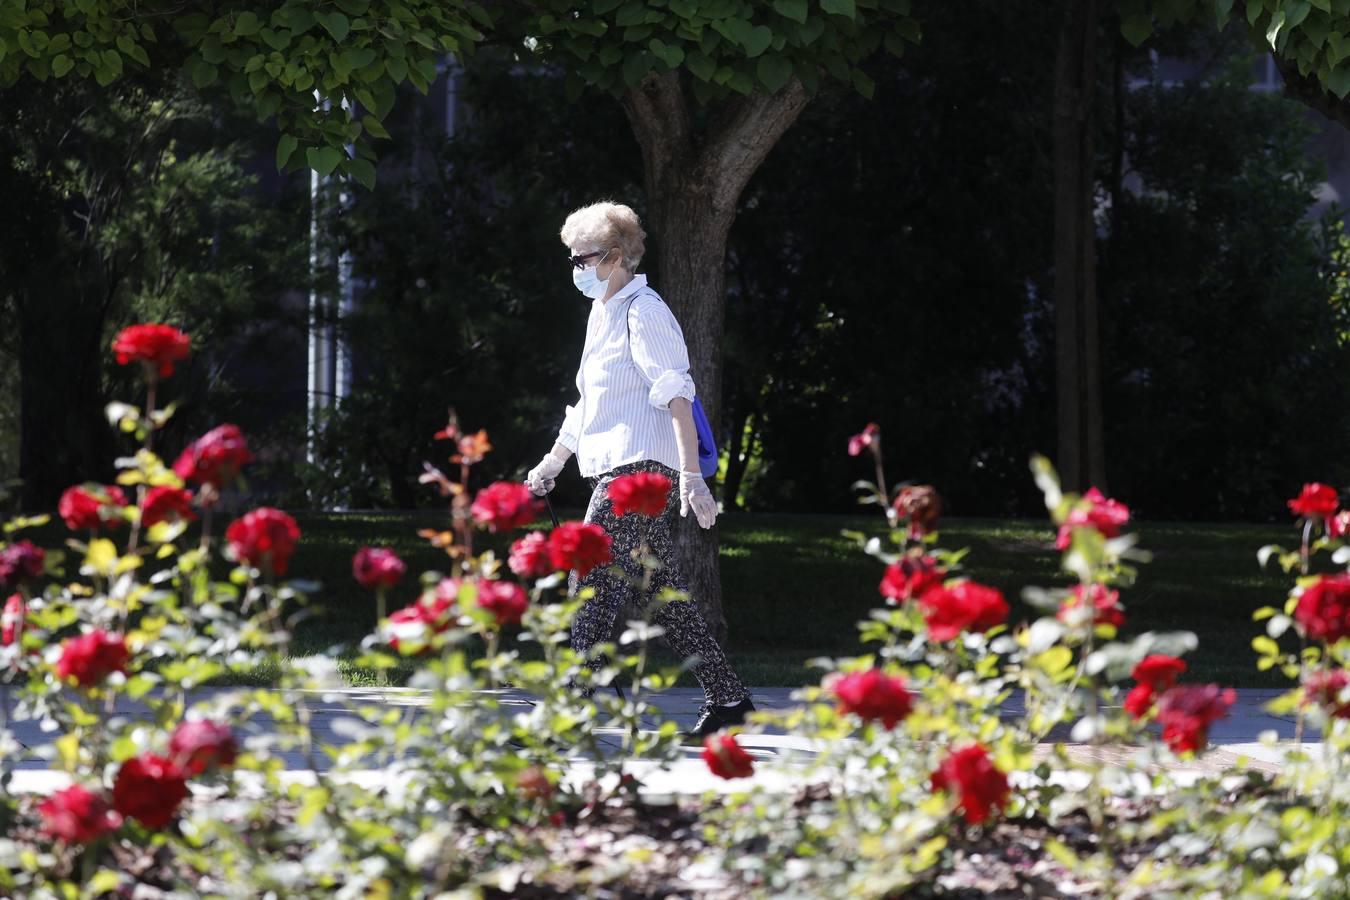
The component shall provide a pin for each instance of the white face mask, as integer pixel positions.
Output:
(588, 282)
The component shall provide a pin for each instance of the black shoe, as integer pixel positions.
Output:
(713, 718)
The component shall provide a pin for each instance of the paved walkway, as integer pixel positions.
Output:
(1234, 739)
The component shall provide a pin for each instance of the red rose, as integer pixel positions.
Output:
(1324, 608)
(92, 657)
(534, 784)
(431, 614)
(506, 600)
(1105, 605)
(149, 788)
(1093, 511)
(1186, 712)
(581, 546)
(861, 441)
(982, 787)
(726, 758)
(20, 562)
(158, 346)
(1328, 690)
(166, 504)
(264, 538)
(911, 577)
(1158, 671)
(11, 620)
(77, 815)
(529, 556)
(1139, 700)
(874, 696)
(376, 567)
(1317, 501)
(505, 505)
(214, 458)
(964, 606)
(1338, 526)
(91, 506)
(199, 745)
(1155, 673)
(644, 493)
(920, 505)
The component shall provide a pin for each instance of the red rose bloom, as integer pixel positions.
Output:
(11, 620)
(861, 441)
(83, 506)
(158, 346)
(506, 600)
(20, 562)
(214, 458)
(581, 546)
(874, 697)
(77, 815)
(910, 578)
(431, 614)
(920, 505)
(505, 505)
(166, 504)
(1186, 712)
(1105, 605)
(644, 493)
(149, 788)
(726, 758)
(981, 786)
(1139, 701)
(529, 556)
(376, 567)
(263, 538)
(1323, 608)
(1093, 511)
(1326, 690)
(1155, 674)
(964, 606)
(92, 657)
(1316, 501)
(200, 745)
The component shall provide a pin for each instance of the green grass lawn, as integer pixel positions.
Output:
(794, 588)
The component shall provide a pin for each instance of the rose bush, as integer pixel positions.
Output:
(947, 755)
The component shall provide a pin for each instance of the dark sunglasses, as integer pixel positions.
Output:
(579, 262)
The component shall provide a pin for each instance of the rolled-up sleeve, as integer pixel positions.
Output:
(659, 351)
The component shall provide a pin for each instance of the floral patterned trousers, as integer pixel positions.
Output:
(686, 632)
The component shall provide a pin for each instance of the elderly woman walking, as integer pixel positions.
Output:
(633, 414)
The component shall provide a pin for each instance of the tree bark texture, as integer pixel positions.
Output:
(1081, 445)
(694, 179)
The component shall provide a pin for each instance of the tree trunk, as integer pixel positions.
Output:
(738, 458)
(694, 178)
(1082, 458)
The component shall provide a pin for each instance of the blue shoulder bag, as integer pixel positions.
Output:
(707, 444)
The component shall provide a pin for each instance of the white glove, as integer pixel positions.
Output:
(541, 478)
(694, 493)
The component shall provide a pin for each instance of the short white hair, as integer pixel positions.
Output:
(605, 225)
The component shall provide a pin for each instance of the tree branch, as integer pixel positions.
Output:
(742, 134)
(1309, 91)
(659, 114)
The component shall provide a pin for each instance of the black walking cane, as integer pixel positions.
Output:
(618, 688)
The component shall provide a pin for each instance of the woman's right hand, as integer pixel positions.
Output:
(540, 480)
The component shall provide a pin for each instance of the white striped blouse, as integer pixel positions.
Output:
(625, 386)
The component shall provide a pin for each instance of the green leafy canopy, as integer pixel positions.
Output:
(727, 46)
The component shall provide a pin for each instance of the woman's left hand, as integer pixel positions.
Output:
(694, 493)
